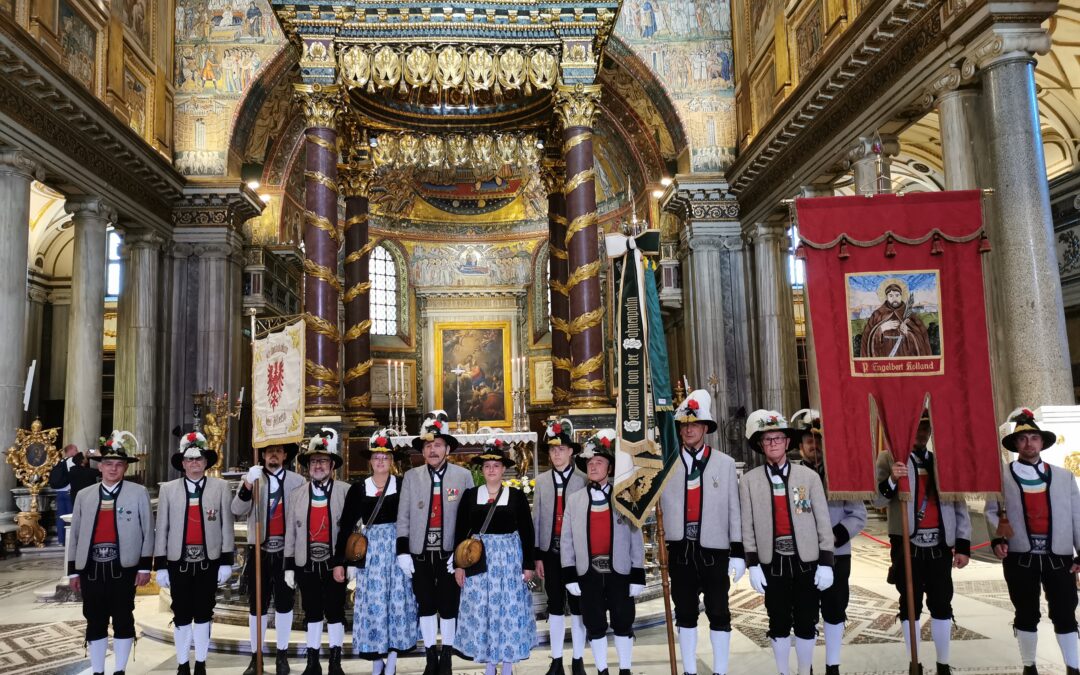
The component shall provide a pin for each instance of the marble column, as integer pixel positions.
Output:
(136, 394)
(778, 365)
(577, 106)
(355, 183)
(957, 140)
(17, 170)
(1023, 262)
(82, 394)
(37, 298)
(811, 191)
(553, 174)
(870, 158)
(322, 240)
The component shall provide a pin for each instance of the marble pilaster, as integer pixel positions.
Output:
(17, 170)
(90, 217)
(870, 158)
(1025, 281)
(778, 366)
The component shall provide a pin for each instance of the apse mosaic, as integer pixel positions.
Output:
(687, 43)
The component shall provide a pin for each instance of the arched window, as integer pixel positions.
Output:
(384, 293)
(112, 273)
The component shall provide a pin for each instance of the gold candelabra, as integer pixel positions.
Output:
(216, 411)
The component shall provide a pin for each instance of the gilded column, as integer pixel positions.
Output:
(355, 180)
(553, 175)
(322, 241)
(577, 107)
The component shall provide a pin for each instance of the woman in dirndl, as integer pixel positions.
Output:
(384, 609)
(496, 623)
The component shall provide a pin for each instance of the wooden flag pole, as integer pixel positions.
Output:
(256, 549)
(665, 584)
(914, 668)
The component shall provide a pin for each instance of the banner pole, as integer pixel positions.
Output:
(915, 668)
(256, 549)
(665, 584)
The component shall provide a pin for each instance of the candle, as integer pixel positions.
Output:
(389, 378)
(401, 376)
(240, 398)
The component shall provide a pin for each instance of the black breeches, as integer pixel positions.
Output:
(108, 592)
(555, 585)
(604, 595)
(791, 599)
(273, 582)
(931, 576)
(321, 596)
(436, 589)
(699, 571)
(834, 599)
(1025, 573)
(194, 591)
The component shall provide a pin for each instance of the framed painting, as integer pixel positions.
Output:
(473, 359)
(540, 383)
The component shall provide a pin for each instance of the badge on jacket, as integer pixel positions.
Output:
(802, 501)
(452, 494)
(211, 515)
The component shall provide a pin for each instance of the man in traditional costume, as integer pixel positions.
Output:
(275, 483)
(111, 549)
(312, 513)
(193, 552)
(788, 539)
(553, 488)
(702, 532)
(848, 519)
(427, 515)
(1036, 533)
(603, 556)
(941, 538)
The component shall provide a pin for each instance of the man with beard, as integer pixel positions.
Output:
(893, 329)
(275, 483)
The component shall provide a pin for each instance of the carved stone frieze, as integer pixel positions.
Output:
(216, 206)
(702, 201)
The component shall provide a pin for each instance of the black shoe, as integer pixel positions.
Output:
(577, 666)
(183, 669)
(556, 667)
(116, 672)
(281, 663)
(445, 667)
(432, 667)
(313, 665)
(1069, 670)
(200, 668)
(944, 669)
(624, 671)
(335, 662)
(602, 672)
(1031, 670)
(832, 670)
(250, 670)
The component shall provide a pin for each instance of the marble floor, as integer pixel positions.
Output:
(46, 637)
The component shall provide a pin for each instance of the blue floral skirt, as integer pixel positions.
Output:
(384, 614)
(496, 621)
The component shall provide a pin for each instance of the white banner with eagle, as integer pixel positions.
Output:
(277, 376)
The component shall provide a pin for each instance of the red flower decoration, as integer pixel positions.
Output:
(325, 442)
(191, 437)
(498, 442)
(606, 442)
(692, 404)
(381, 441)
(108, 443)
(557, 428)
(1027, 412)
(438, 424)
(773, 419)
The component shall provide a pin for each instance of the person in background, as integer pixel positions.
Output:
(81, 475)
(61, 485)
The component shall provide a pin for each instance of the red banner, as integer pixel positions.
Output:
(894, 290)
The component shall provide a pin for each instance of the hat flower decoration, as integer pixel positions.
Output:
(326, 440)
(192, 439)
(696, 407)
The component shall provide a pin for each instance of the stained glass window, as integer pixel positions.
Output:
(384, 293)
(112, 272)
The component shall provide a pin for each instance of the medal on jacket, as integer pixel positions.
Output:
(211, 515)
(802, 503)
(451, 494)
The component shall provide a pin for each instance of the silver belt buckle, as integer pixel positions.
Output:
(693, 530)
(785, 545)
(555, 543)
(434, 540)
(319, 552)
(194, 553)
(104, 553)
(601, 563)
(273, 544)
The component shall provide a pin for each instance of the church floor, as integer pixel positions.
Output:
(37, 637)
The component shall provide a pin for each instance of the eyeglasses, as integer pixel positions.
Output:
(775, 440)
(319, 461)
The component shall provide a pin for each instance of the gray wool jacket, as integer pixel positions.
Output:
(848, 519)
(296, 521)
(242, 503)
(955, 521)
(544, 503)
(1064, 512)
(721, 514)
(811, 526)
(414, 506)
(627, 543)
(134, 527)
(217, 522)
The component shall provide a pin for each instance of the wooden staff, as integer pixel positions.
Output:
(665, 584)
(257, 548)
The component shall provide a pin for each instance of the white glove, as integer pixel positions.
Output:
(636, 589)
(573, 588)
(736, 567)
(405, 563)
(290, 578)
(351, 573)
(450, 564)
(823, 578)
(163, 578)
(757, 579)
(253, 474)
(223, 574)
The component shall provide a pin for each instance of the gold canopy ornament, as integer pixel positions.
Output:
(577, 105)
(32, 458)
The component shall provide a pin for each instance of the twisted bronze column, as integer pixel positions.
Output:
(577, 106)
(554, 177)
(355, 179)
(322, 240)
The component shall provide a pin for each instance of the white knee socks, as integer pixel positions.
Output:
(377, 667)
(182, 642)
(1029, 642)
(577, 635)
(624, 647)
(834, 637)
(491, 669)
(282, 628)
(429, 628)
(448, 628)
(557, 634)
(391, 663)
(941, 629)
(804, 654)
(201, 633)
(314, 635)
(336, 631)
(253, 626)
(98, 648)
(721, 645)
(688, 648)
(508, 668)
(905, 628)
(1067, 642)
(599, 653)
(781, 648)
(122, 650)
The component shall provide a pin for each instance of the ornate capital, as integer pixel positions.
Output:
(321, 103)
(356, 179)
(18, 162)
(1010, 41)
(553, 175)
(90, 207)
(577, 105)
(702, 201)
(216, 206)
